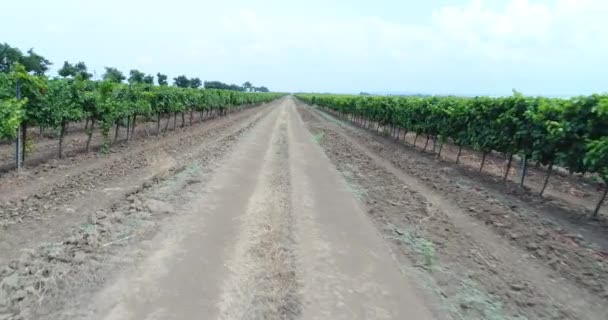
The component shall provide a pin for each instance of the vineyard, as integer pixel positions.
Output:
(28, 100)
(569, 133)
(233, 202)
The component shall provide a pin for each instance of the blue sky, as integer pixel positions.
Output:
(469, 47)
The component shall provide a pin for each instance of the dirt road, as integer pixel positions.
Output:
(272, 233)
(275, 236)
(284, 212)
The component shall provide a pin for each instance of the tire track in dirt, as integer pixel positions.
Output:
(262, 283)
(184, 267)
(346, 268)
(241, 248)
(476, 272)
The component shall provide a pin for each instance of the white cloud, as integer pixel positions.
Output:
(476, 45)
(525, 30)
(520, 31)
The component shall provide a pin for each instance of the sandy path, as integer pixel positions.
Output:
(275, 234)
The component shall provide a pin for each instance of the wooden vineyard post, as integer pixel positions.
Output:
(524, 169)
(19, 143)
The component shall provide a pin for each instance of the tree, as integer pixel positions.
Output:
(67, 70)
(136, 76)
(32, 62)
(81, 71)
(77, 70)
(248, 86)
(9, 56)
(262, 89)
(113, 75)
(181, 81)
(35, 63)
(223, 86)
(149, 79)
(162, 79)
(195, 83)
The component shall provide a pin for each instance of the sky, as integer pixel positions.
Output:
(463, 47)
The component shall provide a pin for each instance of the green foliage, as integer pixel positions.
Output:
(77, 70)
(61, 103)
(67, 70)
(149, 79)
(32, 62)
(32, 88)
(11, 111)
(105, 108)
(113, 75)
(81, 71)
(222, 86)
(261, 89)
(162, 79)
(596, 158)
(181, 82)
(195, 83)
(8, 57)
(35, 63)
(53, 103)
(569, 133)
(136, 76)
(247, 86)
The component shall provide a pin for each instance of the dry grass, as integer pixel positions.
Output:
(263, 282)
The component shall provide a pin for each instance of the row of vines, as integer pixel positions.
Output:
(28, 100)
(569, 133)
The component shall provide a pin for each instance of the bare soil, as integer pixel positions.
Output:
(54, 233)
(286, 212)
(240, 218)
(488, 253)
(577, 193)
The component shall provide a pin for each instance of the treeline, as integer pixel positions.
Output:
(39, 65)
(570, 133)
(32, 62)
(247, 87)
(29, 98)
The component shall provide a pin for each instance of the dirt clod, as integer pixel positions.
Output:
(517, 286)
(158, 206)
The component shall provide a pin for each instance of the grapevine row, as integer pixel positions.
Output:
(54, 103)
(570, 133)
